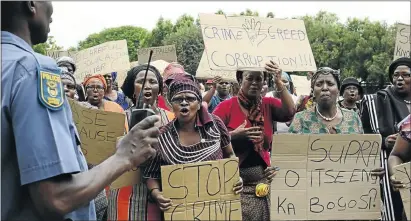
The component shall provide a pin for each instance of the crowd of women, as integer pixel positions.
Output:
(222, 119)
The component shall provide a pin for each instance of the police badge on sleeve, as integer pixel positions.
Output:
(51, 90)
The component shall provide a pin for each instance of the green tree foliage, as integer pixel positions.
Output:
(189, 43)
(49, 45)
(184, 21)
(72, 49)
(323, 34)
(248, 12)
(220, 12)
(130, 33)
(160, 32)
(358, 47)
(368, 49)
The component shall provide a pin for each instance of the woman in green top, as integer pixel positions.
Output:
(326, 117)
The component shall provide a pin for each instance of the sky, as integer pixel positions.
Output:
(74, 21)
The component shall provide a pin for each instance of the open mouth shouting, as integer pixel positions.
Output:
(148, 95)
(184, 111)
(400, 85)
(95, 97)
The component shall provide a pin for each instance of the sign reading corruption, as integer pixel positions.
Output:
(244, 42)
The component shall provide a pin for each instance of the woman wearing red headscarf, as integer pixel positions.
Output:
(95, 87)
(172, 68)
(249, 117)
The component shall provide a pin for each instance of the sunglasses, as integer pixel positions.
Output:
(96, 87)
(403, 74)
(179, 100)
(70, 86)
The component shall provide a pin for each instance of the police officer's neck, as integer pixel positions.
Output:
(18, 27)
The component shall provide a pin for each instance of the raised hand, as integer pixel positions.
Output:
(275, 70)
(217, 80)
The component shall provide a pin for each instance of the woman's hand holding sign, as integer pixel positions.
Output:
(163, 203)
(238, 187)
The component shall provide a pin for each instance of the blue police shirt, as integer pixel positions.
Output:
(37, 142)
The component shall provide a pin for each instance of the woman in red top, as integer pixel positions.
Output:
(249, 118)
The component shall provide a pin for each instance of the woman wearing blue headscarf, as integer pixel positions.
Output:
(112, 94)
(288, 83)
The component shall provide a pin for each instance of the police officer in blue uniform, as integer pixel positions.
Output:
(44, 173)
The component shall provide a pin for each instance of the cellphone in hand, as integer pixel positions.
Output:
(137, 115)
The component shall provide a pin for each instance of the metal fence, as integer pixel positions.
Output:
(372, 88)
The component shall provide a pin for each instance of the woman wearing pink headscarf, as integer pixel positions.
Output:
(172, 68)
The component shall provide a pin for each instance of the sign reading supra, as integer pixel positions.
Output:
(403, 41)
(250, 42)
(325, 177)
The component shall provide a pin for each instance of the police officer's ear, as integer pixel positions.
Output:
(30, 7)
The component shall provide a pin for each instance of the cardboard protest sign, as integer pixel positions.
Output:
(133, 64)
(202, 191)
(99, 131)
(403, 173)
(325, 177)
(249, 42)
(102, 59)
(166, 53)
(204, 71)
(57, 54)
(121, 76)
(301, 84)
(403, 41)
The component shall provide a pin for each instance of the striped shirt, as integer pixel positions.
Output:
(130, 202)
(214, 137)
